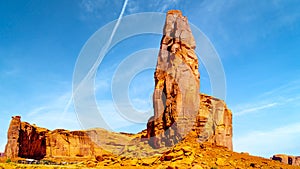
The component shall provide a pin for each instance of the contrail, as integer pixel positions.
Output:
(104, 49)
(98, 61)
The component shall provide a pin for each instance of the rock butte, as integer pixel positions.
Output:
(198, 127)
(179, 108)
(28, 141)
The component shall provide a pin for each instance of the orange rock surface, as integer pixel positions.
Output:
(12, 145)
(178, 106)
(29, 141)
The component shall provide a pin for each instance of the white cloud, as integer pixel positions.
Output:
(167, 4)
(10, 72)
(142, 104)
(281, 139)
(289, 87)
(37, 110)
(106, 10)
(284, 139)
(280, 96)
(92, 6)
(112, 117)
(53, 114)
(135, 6)
(255, 108)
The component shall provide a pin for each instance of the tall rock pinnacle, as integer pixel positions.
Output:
(178, 107)
(176, 94)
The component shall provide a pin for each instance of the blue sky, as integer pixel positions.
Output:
(257, 41)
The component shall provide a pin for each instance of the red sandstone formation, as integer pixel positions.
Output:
(12, 146)
(29, 141)
(64, 143)
(214, 122)
(175, 98)
(32, 141)
(178, 107)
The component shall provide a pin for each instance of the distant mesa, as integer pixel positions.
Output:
(287, 159)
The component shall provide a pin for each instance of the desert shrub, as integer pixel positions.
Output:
(8, 160)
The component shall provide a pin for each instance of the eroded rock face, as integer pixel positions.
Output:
(32, 141)
(64, 143)
(178, 107)
(214, 122)
(175, 98)
(25, 140)
(29, 141)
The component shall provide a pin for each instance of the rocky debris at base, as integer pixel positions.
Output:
(187, 154)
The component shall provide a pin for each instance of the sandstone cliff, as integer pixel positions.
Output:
(29, 141)
(64, 143)
(178, 106)
(25, 140)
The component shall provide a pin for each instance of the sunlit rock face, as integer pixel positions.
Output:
(214, 122)
(175, 98)
(12, 146)
(178, 107)
(64, 143)
(29, 141)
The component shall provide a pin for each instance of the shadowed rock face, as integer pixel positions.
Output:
(178, 107)
(32, 141)
(25, 140)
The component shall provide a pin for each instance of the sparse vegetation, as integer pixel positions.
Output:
(8, 160)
